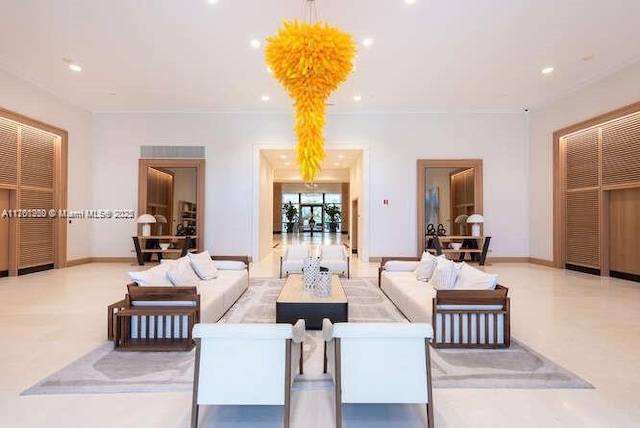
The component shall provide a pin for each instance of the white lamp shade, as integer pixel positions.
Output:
(146, 219)
(475, 220)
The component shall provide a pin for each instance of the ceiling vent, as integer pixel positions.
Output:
(172, 152)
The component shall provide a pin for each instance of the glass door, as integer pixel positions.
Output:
(311, 217)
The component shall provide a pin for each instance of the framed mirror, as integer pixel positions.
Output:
(446, 190)
(172, 190)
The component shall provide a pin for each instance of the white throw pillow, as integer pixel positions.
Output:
(400, 266)
(445, 274)
(230, 265)
(203, 266)
(157, 275)
(182, 274)
(425, 269)
(471, 278)
(426, 256)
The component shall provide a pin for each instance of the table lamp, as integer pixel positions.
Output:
(475, 220)
(146, 220)
(461, 220)
(160, 219)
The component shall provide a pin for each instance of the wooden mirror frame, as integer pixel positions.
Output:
(422, 165)
(198, 164)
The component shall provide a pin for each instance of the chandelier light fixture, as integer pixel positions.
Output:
(310, 60)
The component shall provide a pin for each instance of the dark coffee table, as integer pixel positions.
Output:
(294, 303)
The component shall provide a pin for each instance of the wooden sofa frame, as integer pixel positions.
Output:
(495, 297)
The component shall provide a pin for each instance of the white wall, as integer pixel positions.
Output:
(396, 141)
(27, 99)
(356, 192)
(265, 208)
(391, 144)
(610, 93)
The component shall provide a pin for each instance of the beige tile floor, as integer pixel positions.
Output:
(588, 324)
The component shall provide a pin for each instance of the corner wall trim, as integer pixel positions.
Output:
(541, 262)
(508, 260)
(78, 262)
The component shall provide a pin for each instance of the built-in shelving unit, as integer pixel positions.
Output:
(187, 213)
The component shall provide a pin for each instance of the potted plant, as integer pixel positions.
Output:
(291, 213)
(333, 212)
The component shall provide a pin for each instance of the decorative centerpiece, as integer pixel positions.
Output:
(323, 285)
(311, 273)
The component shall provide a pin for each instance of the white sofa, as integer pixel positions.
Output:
(215, 297)
(461, 317)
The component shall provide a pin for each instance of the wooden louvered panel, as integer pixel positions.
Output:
(582, 159)
(36, 158)
(36, 233)
(8, 152)
(583, 228)
(621, 151)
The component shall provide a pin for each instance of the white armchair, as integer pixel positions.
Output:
(379, 363)
(334, 258)
(292, 260)
(226, 372)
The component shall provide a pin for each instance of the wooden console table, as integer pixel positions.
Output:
(476, 246)
(146, 246)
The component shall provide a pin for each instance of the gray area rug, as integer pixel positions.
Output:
(105, 371)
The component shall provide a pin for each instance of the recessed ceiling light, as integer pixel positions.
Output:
(283, 156)
(410, 1)
(71, 64)
(547, 70)
(367, 42)
(255, 43)
(357, 98)
(212, 1)
(287, 164)
(336, 164)
(265, 98)
(340, 156)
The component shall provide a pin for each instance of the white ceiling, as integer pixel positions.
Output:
(189, 55)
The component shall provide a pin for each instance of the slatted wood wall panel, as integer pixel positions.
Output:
(621, 151)
(583, 228)
(36, 234)
(36, 158)
(8, 152)
(582, 159)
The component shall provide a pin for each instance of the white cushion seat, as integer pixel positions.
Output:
(334, 258)
(292, 260)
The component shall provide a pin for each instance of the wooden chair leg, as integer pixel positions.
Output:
(287, 386)
(301, 362)
(196, 376)
(430, 415)
(338, 384)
